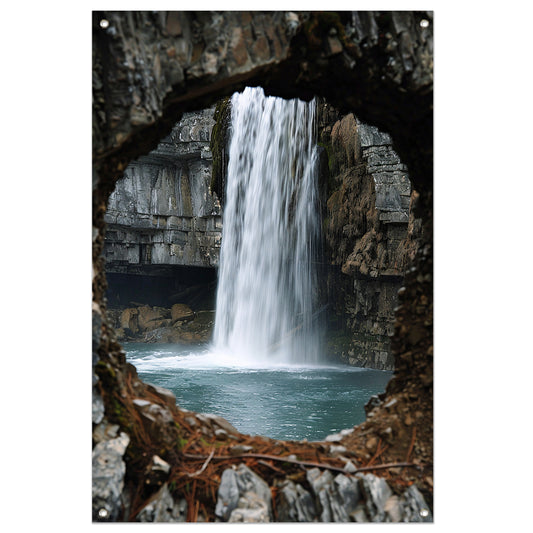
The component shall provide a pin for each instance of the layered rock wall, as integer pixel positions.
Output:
(370, 237)
(162, 212)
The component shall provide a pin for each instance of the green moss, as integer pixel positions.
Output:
(181, 442)
(334, 162)
(106, 373)
(338, 342)
(119, 414)
(325, 224)
(330, 155)
(203, 442)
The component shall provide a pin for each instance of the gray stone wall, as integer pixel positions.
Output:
(162, 212)
(371, 236)
(391, 181)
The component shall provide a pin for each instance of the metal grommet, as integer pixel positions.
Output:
(104, 23)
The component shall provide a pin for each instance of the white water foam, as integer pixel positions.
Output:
(210, 359)
(266, 295)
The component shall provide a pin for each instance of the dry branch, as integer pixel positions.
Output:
(411, 445)
(300, 463)
(198, 472)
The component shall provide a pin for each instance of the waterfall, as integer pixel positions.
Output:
(267, 276)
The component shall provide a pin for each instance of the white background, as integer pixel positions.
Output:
(483, 294)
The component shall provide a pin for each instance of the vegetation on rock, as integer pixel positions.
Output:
(219, 146)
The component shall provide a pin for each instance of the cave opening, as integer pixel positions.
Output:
(166, 209)
(162, 286)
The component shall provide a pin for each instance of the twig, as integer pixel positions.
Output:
(264, 456)
(412, 444)
(198, 472)
(296, 462)
(379, 451)
(388, 465)
(272, 467)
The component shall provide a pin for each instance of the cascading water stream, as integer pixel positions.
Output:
(267, 277)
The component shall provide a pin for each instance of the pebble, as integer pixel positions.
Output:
(159, 464)
(350, 467)
(371, 443)
(391, 403)
(336, 450)
(221, 434)
(240, 449)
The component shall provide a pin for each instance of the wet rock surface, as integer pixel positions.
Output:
(371, 236)
(179, 324)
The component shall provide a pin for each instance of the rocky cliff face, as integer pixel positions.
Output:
(370, 237)
(162, 212)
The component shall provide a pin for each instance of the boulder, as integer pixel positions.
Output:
(243, 497)
(344, 497)
(163, 508)
(250, 509)
(376, 493)
(105, 431)
(320, 483)
(228, 494)
(175, 334)
(167, 396)
(215, 420)
(129, 319)
(151, 318)
(98, 409)
(181, 312)
(337, 498)
(294, 503)
(165, 334)
(108, 478)
(152, 412)
(414, 507)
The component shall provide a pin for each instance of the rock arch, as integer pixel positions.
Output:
(150, 67)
